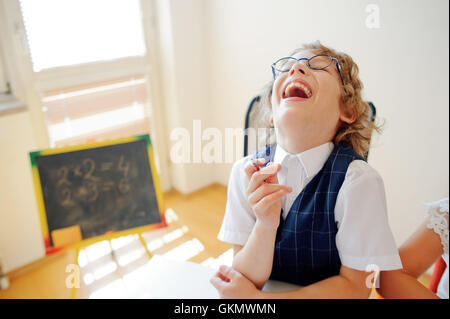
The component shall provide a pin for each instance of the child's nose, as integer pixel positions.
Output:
(299, 67)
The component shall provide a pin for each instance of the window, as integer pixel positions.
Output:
(72, 32)
(89, 63)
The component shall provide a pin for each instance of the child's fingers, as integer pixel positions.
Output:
(273, 179)
(253, 166)
(229, 272)
(264, 190)
(259, 177)
(218, 283)
(269, 200)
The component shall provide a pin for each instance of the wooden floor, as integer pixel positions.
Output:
(193, 220)
(193, 224)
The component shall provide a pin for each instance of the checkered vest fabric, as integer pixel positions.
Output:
(305, 245)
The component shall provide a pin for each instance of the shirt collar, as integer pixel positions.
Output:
(312, 160)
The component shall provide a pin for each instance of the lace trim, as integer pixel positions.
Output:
(438, 212)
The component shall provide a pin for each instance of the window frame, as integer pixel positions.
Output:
(62, 77)
(9, 102)
(4, 86)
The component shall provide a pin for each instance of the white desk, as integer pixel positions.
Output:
(162, 278)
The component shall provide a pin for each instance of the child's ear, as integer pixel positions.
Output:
(348, 116)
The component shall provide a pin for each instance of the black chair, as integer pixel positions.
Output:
(372, 114)
(248, 113)
(253, 120)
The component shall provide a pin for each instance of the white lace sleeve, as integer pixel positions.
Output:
(438, 212)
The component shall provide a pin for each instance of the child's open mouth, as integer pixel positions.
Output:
(297, 90)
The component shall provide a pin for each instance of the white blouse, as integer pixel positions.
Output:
(364, 238)
(438, 213)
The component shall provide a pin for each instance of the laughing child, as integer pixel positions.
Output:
(309, 210)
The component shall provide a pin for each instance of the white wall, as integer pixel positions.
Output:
(183, 69)
(403, 64)
(20, 231)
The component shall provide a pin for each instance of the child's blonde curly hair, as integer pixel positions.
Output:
(357, 134)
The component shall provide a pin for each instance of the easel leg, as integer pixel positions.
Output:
(73, 292)
(145, 246)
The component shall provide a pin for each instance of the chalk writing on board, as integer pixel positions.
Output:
(67, 197)
(62, 173)
(91, 185)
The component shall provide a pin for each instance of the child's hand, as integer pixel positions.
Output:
(232, 284)
(264, 194)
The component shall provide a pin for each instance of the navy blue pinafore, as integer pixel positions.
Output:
(305, 245)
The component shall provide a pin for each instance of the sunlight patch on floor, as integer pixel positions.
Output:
(131, 256)
(97, 250)
(186, 250)
(165, 239)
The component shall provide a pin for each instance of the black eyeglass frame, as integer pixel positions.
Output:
(309, 65)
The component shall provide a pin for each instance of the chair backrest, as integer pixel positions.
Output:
(257, 127)
(256, 118)
(372, 114)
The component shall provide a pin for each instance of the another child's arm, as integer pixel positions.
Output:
(418, 253)
(254, 259)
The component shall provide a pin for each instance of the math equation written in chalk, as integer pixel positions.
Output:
(90, 180)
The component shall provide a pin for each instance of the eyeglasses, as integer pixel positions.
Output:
(317, 62)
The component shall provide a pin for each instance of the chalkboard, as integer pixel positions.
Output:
(104, 187)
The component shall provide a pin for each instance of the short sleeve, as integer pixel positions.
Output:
(438, 220)
(364, 238)
(239, 218)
